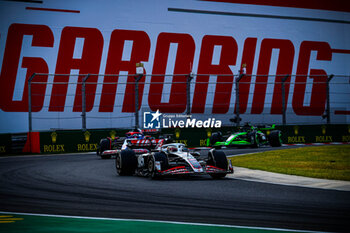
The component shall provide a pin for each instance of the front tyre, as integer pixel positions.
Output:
(126, 163)
(164, 164)
(218, 159)
(105, 144)
(152, 168)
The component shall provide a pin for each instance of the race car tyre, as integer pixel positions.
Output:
(275, 138)
(215, 137)
(218, 159)
(126, 163)
(105, 144)
(163, 159)
(254, 139)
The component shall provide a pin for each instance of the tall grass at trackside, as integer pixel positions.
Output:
(325, 162)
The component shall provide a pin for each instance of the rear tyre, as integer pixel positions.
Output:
(218, 159)
(164, 164)
(275, 139)
(216, 137)
(105, 144)
(254, 139)
(126, 163)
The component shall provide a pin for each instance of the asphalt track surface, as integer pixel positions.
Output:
(85, 185)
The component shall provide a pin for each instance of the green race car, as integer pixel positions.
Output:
(248, 136)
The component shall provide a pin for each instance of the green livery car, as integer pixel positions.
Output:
(248, 136)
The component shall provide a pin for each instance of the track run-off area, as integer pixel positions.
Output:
(83, 193)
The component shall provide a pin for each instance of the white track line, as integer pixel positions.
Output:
(157, 221)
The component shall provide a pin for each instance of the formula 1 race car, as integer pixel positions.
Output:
(172, 159)
(108, 146)
(248, 136)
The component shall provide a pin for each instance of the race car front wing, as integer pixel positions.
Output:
(207, 169)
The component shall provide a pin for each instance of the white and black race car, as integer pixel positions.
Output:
(172, 159)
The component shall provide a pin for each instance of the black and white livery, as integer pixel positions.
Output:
(172, 159)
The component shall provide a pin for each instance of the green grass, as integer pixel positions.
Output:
(25, 223)
(326, 162)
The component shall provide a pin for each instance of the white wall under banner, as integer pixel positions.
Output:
(169, 37)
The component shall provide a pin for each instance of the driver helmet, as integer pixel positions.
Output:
(136, 133)
(172, 149)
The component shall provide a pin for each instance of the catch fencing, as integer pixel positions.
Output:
(81, 101)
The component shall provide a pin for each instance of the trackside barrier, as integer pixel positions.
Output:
(315, 133)
(5, 143)
(19, 143)
(67, 141)
(85, 141)
(71, 141)
(302, 134)
(33, 143)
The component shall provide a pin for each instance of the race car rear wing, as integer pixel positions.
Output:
(150, 144)
(266, 127)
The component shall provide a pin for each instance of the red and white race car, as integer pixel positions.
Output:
(135, 140)
(172, 159)
(146, 156)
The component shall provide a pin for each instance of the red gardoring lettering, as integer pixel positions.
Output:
(224, 84)
(140, 52)
(35, 65)
(318, 94)
(88, 63)
(183, 65)
(90, 60)
(42, 37)
(244, 86)
(284, 66)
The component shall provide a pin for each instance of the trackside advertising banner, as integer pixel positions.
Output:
(171, 37)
